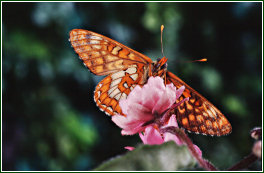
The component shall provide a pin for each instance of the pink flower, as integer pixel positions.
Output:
(143, 104)
(146, 111)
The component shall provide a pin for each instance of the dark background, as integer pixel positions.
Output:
(50, 121)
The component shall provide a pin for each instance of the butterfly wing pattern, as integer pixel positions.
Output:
(127, 68)
(198, 115)
(117, 86)
(103, 56)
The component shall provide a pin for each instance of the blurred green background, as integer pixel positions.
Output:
(50, 121)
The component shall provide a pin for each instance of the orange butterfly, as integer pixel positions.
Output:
(127, 68)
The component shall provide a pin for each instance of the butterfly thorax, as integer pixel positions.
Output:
(159, 67)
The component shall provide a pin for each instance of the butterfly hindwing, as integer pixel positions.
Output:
(103, 55)
(198, 114)
(117, 86)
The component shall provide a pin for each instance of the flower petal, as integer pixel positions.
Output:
(171, 137)
(129, 148)
(139, 112)
(151, 136)
(166, 100)
(180, 91)
(129, 126)
(133, 130)
(152, 91)
(124, 106)
(132, 98)
(172, 121)
(120, 120)
(155, 82)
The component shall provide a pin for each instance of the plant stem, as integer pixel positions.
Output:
(251, 158)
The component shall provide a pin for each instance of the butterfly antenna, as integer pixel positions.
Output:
(161, 33)
(198, 60)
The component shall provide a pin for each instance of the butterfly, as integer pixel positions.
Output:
(125, 68)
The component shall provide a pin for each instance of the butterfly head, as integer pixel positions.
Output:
(160, 67)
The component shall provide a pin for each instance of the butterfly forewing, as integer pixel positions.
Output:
(125, 67)
(103, 55)
(198, 114)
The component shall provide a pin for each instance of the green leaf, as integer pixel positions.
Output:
(165, 157)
